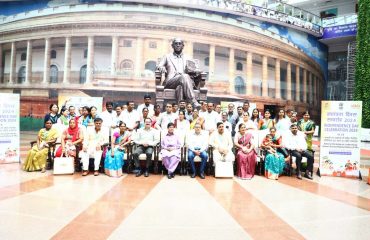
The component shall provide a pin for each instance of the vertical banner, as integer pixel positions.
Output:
(9, 128)
(340, 138)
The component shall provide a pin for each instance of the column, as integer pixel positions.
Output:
(13, 51)
(139, 57)
(231, 70)
(46, 76)
(304, 85)
(67, 61)
(297, 83)
(189, 49)
(310, 92)
(277, 79)
(249, 73)
(212, 61)
(29, 62)
(289, 81)
(314, 81)
(265, 88)
(114, 56)
(165, 47)
(90, 59)
(1, 63)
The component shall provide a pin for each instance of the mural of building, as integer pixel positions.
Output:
(110, 49)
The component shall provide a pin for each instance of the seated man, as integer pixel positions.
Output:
(222, 145)
(197, 142)
(295, 142)
(146, 139)
(174, 66)
(94, 139)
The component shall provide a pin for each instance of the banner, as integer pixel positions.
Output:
(340, 31)
(9, 128)
(340, 138)
(78, 102)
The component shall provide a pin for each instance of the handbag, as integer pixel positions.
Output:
(224, 169)
(63, 165)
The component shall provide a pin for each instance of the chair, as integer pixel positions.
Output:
(292, 160)
(163, 94)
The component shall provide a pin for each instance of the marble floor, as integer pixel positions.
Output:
(43, 206)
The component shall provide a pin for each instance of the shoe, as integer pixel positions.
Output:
(96, 173)
(85, 173)
(146, 174)
(308, 175)
(138, 173)
(192, 175)
(202, 176)
(299, 175)
(173, 175)
(169, 176)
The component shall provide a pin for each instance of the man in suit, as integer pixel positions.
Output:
(173, 65)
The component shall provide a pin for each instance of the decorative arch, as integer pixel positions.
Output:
(53, 74)
(22, 74)
(239, 85)
(127, 65)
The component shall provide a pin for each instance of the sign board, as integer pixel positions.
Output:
(78, 102)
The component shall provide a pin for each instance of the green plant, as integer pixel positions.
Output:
(362, 80)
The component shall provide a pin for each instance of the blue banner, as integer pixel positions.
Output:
(340, 31)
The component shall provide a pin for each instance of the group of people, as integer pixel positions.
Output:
(240, 135)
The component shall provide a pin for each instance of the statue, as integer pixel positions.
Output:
(181, 73)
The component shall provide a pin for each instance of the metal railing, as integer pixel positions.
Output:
(341, 20)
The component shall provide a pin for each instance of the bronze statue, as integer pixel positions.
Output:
(181, 73)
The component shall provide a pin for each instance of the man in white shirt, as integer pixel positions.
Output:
(130, 117)
(203, 109)
(146, 104)
(118, 115)
(166, 117)
(227, 124)
(211, 118)
(109, 117)
(197, 142)
(94, 139)
(295, 142)
(222, 145)
(146, 139)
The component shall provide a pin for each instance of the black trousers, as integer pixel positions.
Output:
(298, 159)
(148, 151)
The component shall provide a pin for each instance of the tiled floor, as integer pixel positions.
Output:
(43, 206)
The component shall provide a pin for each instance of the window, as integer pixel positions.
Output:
(206, 61)
(83, 74)
(239, 66)
(127, 43)
(53, 74)
(53, 54)
(85, 53)
(22, 74)
(150, 65)
(23, 57)
(152, 44)
(239, 85)
(127, 65)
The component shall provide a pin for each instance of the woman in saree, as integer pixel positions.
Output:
(256, 118)
(155, 117)
(113, 162)
(274, 162)
(170, 150)
(53, 114)
(266, 122)
(196, 119)
(93, 114)
(36, 158)
(245, 154)
(71, 140)
(307, 126)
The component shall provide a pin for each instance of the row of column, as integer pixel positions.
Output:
(314, 88)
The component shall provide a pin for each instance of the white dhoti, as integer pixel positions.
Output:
(91, 152)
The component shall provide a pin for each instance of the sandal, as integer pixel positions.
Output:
(96, 173)
(84, 173)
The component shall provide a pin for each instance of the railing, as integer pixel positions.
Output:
(341, 20)
(272, 9)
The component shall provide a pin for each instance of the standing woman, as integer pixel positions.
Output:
(36, 158)
(92, 116)
(266, 122)
(256, 118)
(155, 117)
(282, 123)
(84, 118)
(53, 114)
(170, 151)
(181, 123)
(246, 155)
(196, 119)
(307, 126)
(113, 162)
(63, 119)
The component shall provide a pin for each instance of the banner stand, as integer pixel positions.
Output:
(318, 172)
